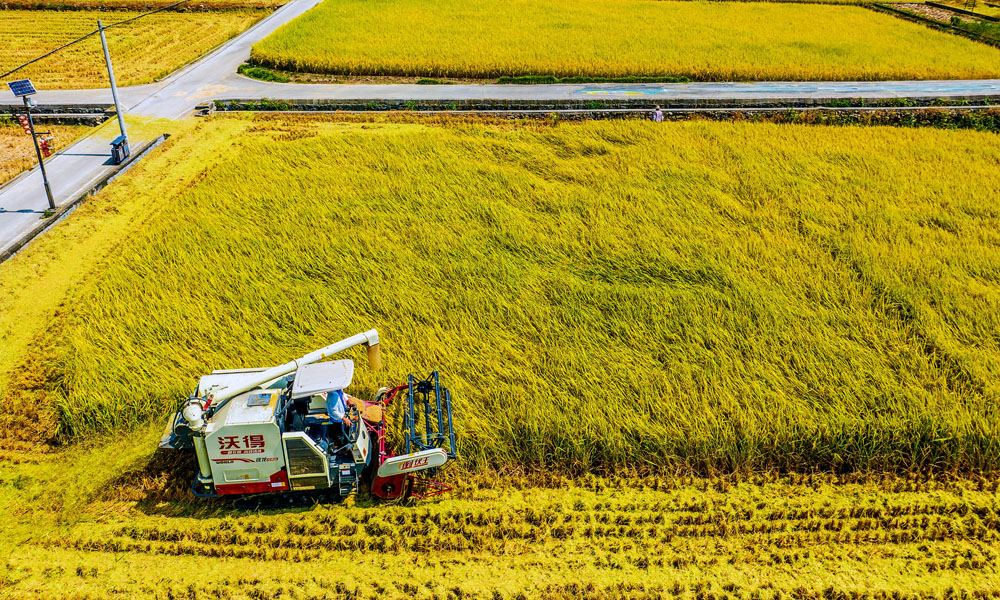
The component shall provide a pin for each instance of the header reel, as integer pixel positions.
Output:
(428, 438)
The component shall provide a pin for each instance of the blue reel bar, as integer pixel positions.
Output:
(437, 419)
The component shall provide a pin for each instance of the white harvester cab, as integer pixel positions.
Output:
(271, 430)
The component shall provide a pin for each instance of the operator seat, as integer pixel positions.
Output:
(296, 417)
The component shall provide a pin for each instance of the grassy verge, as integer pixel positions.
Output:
(945, 113)
(982, 9)
(602, 39)
(936, 18)
(540, 79)
(261, 73)
(696, 296)
(268, 74)
(143, 51)
(984, 29)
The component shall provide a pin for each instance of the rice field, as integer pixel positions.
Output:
(143, 5)
(618, 39)
(143, 51)
(17, 153)
(699, 297)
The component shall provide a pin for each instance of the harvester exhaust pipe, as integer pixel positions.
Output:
(194, 415)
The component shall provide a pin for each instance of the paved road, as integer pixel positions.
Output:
(238, 87)
(214, 77)
(23, 201)
(179, 96)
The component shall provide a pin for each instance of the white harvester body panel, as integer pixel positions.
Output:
(411, 463)
(254, 434)
(244, 443)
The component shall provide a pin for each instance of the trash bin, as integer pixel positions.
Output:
(119, 149)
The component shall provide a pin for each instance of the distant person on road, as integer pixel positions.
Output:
(657, 115)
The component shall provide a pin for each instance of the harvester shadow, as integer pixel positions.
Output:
(162, 487)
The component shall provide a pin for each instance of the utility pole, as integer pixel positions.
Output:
(38, 153)
(114, 84)
(23, 88)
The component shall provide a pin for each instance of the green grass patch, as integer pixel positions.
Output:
(985, 29)
(261, 73)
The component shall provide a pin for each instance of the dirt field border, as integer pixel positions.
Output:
(902, 14)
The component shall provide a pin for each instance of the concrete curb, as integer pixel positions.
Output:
(66, 114)
(63, 211)
(15, 109)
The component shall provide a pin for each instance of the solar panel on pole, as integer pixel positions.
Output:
(22, 87)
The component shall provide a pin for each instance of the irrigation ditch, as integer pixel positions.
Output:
(64, 114)
(979, 113)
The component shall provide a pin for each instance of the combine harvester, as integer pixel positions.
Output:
(293, 428)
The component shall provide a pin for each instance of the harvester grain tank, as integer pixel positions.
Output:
(294, 428)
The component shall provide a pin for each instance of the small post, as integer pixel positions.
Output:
(111, 77)
(38, 153)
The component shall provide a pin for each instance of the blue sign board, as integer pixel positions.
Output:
(22, 87)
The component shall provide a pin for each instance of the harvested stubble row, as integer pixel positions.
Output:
(751, 539)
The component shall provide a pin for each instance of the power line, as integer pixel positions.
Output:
(92, 33)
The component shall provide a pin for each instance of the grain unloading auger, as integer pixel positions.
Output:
(293, 428)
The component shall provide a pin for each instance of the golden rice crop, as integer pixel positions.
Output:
(142, 51)
(18, 155)
(696, 295)
(618, 39)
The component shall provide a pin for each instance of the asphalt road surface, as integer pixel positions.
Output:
(177, 97)
(73, 170)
